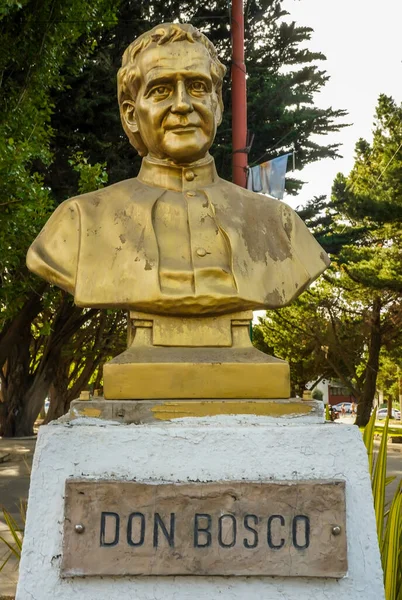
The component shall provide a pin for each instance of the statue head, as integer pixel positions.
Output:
(170, 93)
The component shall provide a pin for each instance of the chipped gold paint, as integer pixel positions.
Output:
(177, 410)
(150, 411)
(90, 412)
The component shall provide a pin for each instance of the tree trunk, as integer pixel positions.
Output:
(61, 393)
(15, 340)
(13, 329)
(24, 390)
(366, 401)
(389, 406)
(34, 364)
(15, 383)
(32, 404)
(104, 338)
(23, 394)
(59, 402)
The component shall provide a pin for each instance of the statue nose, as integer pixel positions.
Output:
(181, 100)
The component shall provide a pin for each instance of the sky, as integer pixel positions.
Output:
(363, 44)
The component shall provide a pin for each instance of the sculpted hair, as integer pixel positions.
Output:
(128, 77)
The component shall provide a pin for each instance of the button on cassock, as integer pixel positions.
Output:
(201, 252)
(189, 175)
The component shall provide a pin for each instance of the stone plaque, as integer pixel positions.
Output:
(224, 528)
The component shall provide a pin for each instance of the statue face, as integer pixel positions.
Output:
(176, 109)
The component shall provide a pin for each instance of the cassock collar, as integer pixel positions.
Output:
(179, 178)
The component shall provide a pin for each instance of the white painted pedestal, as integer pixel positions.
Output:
(230, 448)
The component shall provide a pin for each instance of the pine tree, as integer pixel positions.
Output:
(361, 228)
(371, 198)
(280, 105)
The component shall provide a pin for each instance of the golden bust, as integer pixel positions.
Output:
(177, 239)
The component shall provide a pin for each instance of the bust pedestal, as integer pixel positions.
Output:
(194, 357)
(170, 449)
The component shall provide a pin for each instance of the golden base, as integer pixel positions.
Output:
(158, 373)
(194, 358)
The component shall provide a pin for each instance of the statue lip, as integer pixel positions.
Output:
(181, 128)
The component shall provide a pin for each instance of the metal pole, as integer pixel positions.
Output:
(239, 96)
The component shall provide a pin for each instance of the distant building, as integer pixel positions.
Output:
(333, 392)
(339, 393)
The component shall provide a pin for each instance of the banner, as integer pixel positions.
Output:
(269, 177)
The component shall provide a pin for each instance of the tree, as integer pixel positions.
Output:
(362, 291)
(281, 85)
(388, 376)
(371, 197)
(102, 337)
(280, 105)
(38, 41)
(321, 335)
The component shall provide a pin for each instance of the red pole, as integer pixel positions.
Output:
(239, 96)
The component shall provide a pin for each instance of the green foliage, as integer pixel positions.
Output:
(282, 79)
(389, 523)
(349, 325)
(41, 45)
(371, 198)
(368, 439)
(378, 480)
(91, 177)
(38, 41)
(391, 549)
(322, 335)
(317, 395)
(388, 374)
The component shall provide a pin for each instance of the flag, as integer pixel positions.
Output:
(254, 182)
(273, 174)
(271, 178)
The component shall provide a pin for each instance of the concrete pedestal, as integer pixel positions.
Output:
(229, 448)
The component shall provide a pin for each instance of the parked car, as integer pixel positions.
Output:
(383, 412)
(347, 405)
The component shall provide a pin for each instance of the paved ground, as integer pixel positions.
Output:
(14, 484)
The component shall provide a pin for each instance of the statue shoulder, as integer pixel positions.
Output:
(123, 189)
(54, 253)
(311, 254)
(261, 203)
(273, 219)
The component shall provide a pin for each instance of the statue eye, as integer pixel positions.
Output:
(198, 87)
(160, 91)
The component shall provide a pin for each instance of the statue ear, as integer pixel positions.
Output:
(218, 114)
(128, 114)
(218, 108)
